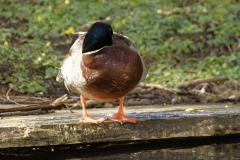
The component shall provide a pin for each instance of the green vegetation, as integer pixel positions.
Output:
(180, 40)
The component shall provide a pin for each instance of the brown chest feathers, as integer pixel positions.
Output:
(111, 72)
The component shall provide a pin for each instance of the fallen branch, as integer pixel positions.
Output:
(23, 102)
(30, 100)
(199, 81)
(59, 100)
(22, 113)
(33, 107)
(57, 104)
(157, 86)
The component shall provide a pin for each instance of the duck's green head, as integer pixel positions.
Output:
(98, 36)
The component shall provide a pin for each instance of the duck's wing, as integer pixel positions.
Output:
(122, 39)
(74, 51)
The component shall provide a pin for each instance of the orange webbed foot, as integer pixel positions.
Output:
(88, 119)
(123, 118)
(85, 118)
(120, 116)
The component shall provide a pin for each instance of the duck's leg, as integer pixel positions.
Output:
(120, 116)
(85, 118)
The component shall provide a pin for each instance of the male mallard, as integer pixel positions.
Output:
(102, 66)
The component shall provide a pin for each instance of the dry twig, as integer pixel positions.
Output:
(11, 87)
(198, 81)
(157, 86)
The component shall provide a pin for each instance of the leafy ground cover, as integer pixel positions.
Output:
(180, 40)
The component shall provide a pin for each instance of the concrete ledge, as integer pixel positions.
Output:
(154, 122)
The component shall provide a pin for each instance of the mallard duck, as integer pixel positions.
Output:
(103, 66)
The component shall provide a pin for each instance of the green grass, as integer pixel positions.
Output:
(180, 40)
